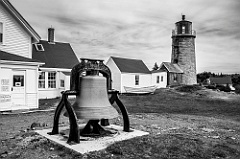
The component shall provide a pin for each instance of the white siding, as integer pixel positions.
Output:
(128, 79)
(32, 100)
(31, 88)
(161, 84)
(116, 75)
(67, 82)
(31, 81)
(16, 39)
(61, 77)
(49, 93)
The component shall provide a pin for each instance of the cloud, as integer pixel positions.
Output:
(140, 28)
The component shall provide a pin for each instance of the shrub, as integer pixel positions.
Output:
(189, 88)
(237, 87)
(211, 87)
(223, 88)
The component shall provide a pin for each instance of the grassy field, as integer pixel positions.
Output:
(182, 123)
(175, 102)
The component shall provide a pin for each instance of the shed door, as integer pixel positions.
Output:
(18, 89)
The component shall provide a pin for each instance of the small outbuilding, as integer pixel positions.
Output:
(174, 73)
(222, 81)
(18, 82)
(133, 73)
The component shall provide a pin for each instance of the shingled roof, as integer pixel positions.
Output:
(171, 67)
(11, 57)
(131, 65)
(221, 80)
(55, 55)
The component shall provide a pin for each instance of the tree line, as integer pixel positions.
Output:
(205, 75)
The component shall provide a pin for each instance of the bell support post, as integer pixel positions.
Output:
(74, 134)
(114, 98)
(57, 114)
(74, 130)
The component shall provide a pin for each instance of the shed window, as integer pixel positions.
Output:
(161, 78)
(41, 80)
(51, 79)
(136, 79)
(1, 32)
(175, 77)
(39, 47)
(62, 84)
(157, 79)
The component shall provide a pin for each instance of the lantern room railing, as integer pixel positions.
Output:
(174, 33)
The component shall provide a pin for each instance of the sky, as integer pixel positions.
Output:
(140, 29)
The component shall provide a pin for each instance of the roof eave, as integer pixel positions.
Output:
(55, 69)
(21, 63)
(179, 72)
(135, 72)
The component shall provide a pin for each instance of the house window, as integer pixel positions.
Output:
(175, 77)
(41, 80)
(39, 47)
(1, 32)
(62, 84)
(136, 79)
(161, 78)
(157, 79)
(51, 79)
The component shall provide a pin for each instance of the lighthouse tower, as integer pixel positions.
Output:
(183, 51)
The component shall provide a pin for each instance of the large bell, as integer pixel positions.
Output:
(92, 102)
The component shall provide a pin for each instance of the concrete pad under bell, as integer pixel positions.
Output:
(88, 144)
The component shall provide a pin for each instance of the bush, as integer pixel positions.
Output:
(223, 88)
(189, 88)
(237, 87)
(219, 87)
(211, 87)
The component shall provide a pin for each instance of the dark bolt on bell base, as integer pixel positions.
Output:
(93, 129)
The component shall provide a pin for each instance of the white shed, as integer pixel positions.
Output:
(159, 78)
(128, 73)
(18, 82)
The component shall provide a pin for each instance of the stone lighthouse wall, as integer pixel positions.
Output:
(183, 53)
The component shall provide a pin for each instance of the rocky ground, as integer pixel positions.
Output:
(175, 132)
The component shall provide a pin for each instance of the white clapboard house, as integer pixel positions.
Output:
(58, 58)
(132, 75)
(29, 67)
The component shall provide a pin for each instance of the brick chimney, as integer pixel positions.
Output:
(51, 35)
